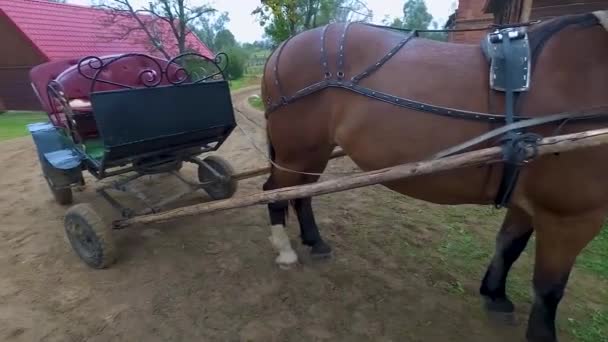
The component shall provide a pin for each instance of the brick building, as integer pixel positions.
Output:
(481, 13)
(470, 14)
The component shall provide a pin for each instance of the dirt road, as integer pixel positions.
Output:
(212, 278)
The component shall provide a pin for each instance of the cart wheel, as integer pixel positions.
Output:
(90, 238)
(219, 188)
(62, 196)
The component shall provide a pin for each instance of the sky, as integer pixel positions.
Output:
(245, 28)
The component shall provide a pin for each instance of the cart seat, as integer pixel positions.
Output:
(130, 71)
(40, 76)
(133, 71)
(81, 105)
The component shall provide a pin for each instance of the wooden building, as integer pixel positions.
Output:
(36, 31)
(513, 11)
(481, 13)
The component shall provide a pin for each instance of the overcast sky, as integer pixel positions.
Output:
(244, 27)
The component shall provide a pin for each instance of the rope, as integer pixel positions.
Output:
(273, 163)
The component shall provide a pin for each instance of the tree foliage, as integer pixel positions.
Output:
(224, 40)
(208, 27)
(417, 17)
(212, 30)
(237, 61)
(284, 18)
(179, 15)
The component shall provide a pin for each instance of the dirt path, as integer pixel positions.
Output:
(212, 278)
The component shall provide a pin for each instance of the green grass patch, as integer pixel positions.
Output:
(593, 328)
(450, 247)
(245, 81)
(256, 102)
(466, 248)
(13, 124)
(594, 258)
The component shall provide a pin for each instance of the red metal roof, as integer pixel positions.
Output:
(61, 31)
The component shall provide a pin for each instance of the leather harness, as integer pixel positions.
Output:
(508, 51)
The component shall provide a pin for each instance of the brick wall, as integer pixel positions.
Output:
(470, 15)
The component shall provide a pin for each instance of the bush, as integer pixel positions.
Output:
(237, 57)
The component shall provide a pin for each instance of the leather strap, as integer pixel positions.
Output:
(517, 126)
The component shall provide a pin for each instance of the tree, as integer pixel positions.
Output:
(208, 27)
(284, 18)
(178, 15)
(417, 17)
(237, 60)
(224, 40)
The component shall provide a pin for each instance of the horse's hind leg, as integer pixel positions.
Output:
(558, 242)
(309, 231)
(277, 213)
(510, 242)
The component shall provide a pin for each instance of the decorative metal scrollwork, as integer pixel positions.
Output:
(196, 68)
(187, 68)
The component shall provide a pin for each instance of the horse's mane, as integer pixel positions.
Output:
(541, 34)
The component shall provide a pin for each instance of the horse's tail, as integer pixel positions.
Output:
(272, 158)
(271, 151)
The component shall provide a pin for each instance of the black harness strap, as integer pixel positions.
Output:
(324, 62)
(392, 99)
(338, 82)
(277, 82)
(341, 52)
(514, 143)
(384, 59)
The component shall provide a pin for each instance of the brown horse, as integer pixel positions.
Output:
(562, 197)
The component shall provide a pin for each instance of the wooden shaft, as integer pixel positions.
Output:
(264, 170)
(550, 145)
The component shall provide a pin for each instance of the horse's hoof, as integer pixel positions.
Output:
(500, 305)
(320, 250)
(286, 259)
(502, 318)
(540, 336)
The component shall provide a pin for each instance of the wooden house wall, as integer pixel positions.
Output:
(543, 9)
(17, 58)
(528, 10)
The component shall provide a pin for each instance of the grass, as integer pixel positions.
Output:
(256, 102)
(451, 247)
(465, 254)
(592, 329)
(245, 81)
(13, 124)
(594, 258)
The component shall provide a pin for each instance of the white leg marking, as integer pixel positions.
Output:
(280, 241)
(602, 16)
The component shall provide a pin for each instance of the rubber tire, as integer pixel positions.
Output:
(98, 250)
(62, 196)
(219, 190)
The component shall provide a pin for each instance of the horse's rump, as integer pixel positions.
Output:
(301, 76)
